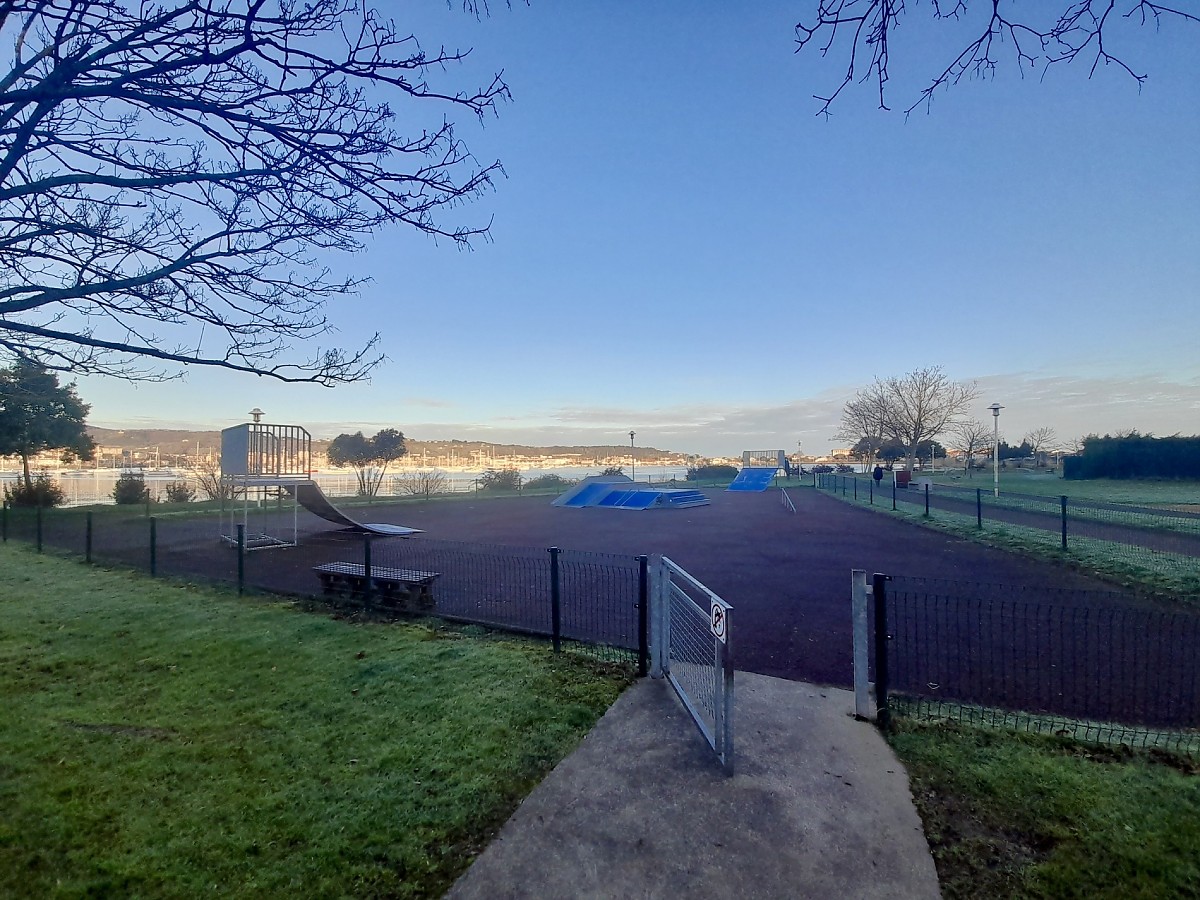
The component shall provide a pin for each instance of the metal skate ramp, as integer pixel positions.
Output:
(309, 495)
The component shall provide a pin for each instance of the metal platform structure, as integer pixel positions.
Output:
(259, 461)
(268, 468)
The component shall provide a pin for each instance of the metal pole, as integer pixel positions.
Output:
(367, 583)
(39, 528)
(241, 550)
(4, 522)
(87, 547)
(855, 488)
(893, 491)
(858, 611)
(927, 500)
(657, 623)
(643, 615)
(555, 601)
(978, 507)
(153, 545)
(879, 591)
(723, 714)
(632, 459)
(1063, 501)
(995, 408)
(871, 490)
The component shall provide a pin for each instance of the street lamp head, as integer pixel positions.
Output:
(995, 408)
(631, 434)
(257, 414)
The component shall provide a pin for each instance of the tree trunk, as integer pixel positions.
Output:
(25, 469)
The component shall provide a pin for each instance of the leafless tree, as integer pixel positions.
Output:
(207, 473)
(970, 437)
(421, 483)
(923, 404)
(1041, 441)
(1034, 35)
(865, 419)
(173, 177)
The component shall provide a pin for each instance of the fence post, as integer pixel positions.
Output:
(1063, 501)
(367, 581)
(555, 601)
(723, 713)
(927, 500)
(979, 508)
(4, 521)
(643, 615)
(883, 714)
(893, 493)
(241, 548)
(871, 489)
(843, 485)
(855, 488)
(153, 545)
(87, 545)
(39, 528)
(858, 612)
(657, 622)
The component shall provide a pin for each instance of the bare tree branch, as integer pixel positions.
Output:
(923, 404)
(172, 175)
(861, 31)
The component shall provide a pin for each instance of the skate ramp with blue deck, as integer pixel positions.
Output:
(592, 490)
(753, 479)
(619, 492)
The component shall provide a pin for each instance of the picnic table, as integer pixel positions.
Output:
(406, 588)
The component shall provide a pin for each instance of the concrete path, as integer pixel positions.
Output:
(819, 807)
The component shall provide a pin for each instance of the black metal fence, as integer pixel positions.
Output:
(1158, 541)
(588, 601)
(1081, 663)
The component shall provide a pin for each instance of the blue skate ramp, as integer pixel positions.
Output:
(753, 479)
(591, 490)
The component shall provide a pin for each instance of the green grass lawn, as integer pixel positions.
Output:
(1174, 575)
(1015, 815)
(1042, 482)
(165, 741)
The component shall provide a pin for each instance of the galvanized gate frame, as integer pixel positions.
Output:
(717, 618)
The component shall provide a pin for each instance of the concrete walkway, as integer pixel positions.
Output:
(819, 807)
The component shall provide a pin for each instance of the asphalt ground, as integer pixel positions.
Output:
(786, 574)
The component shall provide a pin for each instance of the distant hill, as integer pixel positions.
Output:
(170, 442)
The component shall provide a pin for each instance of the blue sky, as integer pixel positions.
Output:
(681, 247)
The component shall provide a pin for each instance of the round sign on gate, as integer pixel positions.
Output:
(716, 621)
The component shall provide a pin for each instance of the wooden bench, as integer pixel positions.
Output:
(405, 588)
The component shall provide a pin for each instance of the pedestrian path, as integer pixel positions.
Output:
(819, 807)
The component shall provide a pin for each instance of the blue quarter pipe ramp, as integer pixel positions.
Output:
(753, 479)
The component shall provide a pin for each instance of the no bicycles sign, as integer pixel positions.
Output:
(716, 621)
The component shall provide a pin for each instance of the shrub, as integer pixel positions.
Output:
(711, 473)
(420, 484)
(42, 492)
(179, 492)
(548, 481)
(500, 480)
(614, 470)
(131, 488)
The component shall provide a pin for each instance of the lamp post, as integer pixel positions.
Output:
(995, 408)
(632, 460)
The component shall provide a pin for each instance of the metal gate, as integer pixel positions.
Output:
(690, 634)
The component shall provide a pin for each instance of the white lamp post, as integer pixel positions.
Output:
(995, 408)
(632, 460)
